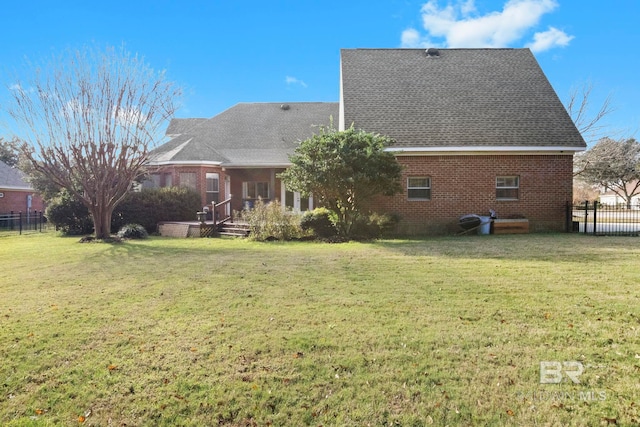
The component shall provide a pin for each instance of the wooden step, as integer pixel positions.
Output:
(233, 229)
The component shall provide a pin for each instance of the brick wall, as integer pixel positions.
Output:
(16, 201)
(460, 185)
(466, 184)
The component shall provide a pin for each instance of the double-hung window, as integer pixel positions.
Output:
(419, 188)
(213, 187)
(507, 187)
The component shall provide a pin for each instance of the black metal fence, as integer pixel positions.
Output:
(603, 220)
(22, 222)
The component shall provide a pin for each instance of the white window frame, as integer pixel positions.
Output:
(250, 190)
(213, 187)
(510, 183)
(411, 187)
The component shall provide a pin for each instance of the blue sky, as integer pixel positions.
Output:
(226, 51)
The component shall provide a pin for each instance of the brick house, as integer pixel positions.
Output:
(238, 153)
(16, 194)
(475, 129)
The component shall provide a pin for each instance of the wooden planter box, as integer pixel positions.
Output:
(510, 226)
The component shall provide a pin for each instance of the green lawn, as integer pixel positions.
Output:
(446, 331)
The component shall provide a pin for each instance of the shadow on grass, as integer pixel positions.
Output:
(556, 247)
(167, 247)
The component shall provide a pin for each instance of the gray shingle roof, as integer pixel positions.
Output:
(179, 126)
(12, 179)
(248, 134)
(462, 98)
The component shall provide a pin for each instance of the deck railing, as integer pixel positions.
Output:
(222, 212)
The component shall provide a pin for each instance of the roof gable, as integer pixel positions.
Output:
(459, 98)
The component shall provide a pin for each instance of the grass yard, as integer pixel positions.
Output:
(194, 332)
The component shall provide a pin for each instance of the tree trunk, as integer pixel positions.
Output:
(102, 221)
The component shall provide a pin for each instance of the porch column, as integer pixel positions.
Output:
(272, 184)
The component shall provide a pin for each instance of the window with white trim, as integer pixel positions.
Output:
(213, 187)
(419, 188)
(255, 190)
(507, 187)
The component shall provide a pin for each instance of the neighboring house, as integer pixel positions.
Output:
(611, 198)
(16, 194)
(475, 129)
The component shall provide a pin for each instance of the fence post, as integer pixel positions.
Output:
(595, 215)
(586, 215)
(20, 221)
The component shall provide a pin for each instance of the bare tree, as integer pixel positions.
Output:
(583, 191)
(589, 124)
(88, 121)
(614, 165)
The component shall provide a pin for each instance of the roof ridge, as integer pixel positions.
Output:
(439, 48)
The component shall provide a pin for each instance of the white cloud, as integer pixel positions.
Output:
(548, 39)
(412, 38)
(459, 25)
(130, 117)
(468, 7)
(294, 81)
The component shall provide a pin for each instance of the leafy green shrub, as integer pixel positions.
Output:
(151, 206)
(133, 231)
(373, 226)
(386, 223)
(69, 215)
(270, 221)
(319, 221)
(146, 208)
